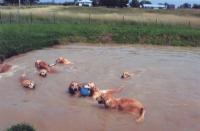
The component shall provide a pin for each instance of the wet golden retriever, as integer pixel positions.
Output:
(62, 60)
(40, 64)
(4, 68)
(123, 104)
(75, 89)
(26, 83)
(126, 75)
(43, 73)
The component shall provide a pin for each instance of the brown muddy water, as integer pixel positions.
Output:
(167, 82)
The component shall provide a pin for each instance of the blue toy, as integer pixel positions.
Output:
(85, 91)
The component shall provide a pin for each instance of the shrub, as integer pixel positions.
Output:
(21, 127)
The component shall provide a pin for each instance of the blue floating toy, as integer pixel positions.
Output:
(85, 91)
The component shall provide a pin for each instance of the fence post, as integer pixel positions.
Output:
(10, 18)
(156, 20)
(0, 18)
(189, 24)
(19, 18)
(54, 18)
(123, 18)
(31, 17)
(89, 18)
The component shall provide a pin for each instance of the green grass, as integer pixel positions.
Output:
(62, 14)
(16, 39)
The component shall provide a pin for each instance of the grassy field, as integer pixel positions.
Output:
(175, 17)
(16, 39)
(39, 27)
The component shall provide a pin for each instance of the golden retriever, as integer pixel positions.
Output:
(26, 83)
(126, 75)
(4, 68)
(39, 64)
(62, 60)
(75, 88)
(43, 73)
(123, 104)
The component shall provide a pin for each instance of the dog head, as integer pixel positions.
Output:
(28, 84)
(125, 75)
(73, 88)
(103, 98)
(60, 60)
(43, 73)
(37, 63)
(96, 94)
(91, 84)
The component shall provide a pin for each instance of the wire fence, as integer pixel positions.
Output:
(56, 18)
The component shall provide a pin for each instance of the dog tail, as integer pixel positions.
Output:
(141, 117)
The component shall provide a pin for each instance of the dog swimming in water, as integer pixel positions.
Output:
(26, 83)
(61, 60)
(4, 67)
(43, 73)
(131, 106)
(126, 75)
(40, 64)
(88, 89)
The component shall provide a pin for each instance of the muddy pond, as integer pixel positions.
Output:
(166, 81)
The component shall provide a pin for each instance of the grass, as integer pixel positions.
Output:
(16, 39)
(45, 26)
(21, 127)
(175, 17)
(103, 10)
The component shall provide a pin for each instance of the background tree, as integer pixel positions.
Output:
(96, 2)
(196, 6)
(145, 2)
(22, 1)
(135, 3)
(114, 3)
(186, 5)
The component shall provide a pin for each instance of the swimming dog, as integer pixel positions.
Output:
(4, 68)
(43, 73)
(62, 60)
(123, 104)
(77, 89)
(26, 83)
(125, 75)
(39, 64)
(89, 89)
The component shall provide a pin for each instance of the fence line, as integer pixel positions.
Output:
(53, 18)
